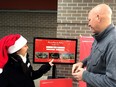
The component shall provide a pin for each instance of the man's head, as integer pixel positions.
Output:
(99, 18)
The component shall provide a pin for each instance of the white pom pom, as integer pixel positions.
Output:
(1, 70)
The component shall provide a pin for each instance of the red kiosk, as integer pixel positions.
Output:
(62, 50)
(61, 82)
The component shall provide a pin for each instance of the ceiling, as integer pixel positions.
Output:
(28, 4)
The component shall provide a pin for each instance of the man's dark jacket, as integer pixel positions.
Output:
(101, 64)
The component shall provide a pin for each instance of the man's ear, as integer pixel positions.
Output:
(98, 18)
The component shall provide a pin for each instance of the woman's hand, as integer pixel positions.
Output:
(51, 62)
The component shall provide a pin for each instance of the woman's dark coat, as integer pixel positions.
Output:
(16, 73)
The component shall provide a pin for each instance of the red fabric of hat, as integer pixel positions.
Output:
(8, 45)
(5, 43)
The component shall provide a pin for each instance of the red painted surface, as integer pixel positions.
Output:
(67, 82)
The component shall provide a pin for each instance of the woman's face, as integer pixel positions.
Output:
(23, 50)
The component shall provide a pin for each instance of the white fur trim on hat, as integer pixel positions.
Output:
(1, 70)
(18, 45)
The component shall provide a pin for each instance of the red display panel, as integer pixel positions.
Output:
(66, 82)
(59, 49)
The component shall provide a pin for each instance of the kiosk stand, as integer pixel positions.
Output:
(54, 71)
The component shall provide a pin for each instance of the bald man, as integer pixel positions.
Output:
(101, 63)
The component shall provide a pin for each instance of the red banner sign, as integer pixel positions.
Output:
(85, 48)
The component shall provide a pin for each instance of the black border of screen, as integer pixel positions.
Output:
(76, 40)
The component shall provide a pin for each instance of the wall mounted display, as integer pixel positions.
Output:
(63, 51)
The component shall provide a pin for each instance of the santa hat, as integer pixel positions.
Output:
(8, 45)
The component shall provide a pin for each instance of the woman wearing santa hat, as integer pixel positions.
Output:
(15, 67)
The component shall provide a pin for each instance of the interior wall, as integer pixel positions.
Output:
(30, 25)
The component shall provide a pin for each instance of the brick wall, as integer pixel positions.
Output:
(72, 22)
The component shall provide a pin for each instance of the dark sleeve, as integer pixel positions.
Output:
(3, 80)
(42, 70)
(4, 76)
